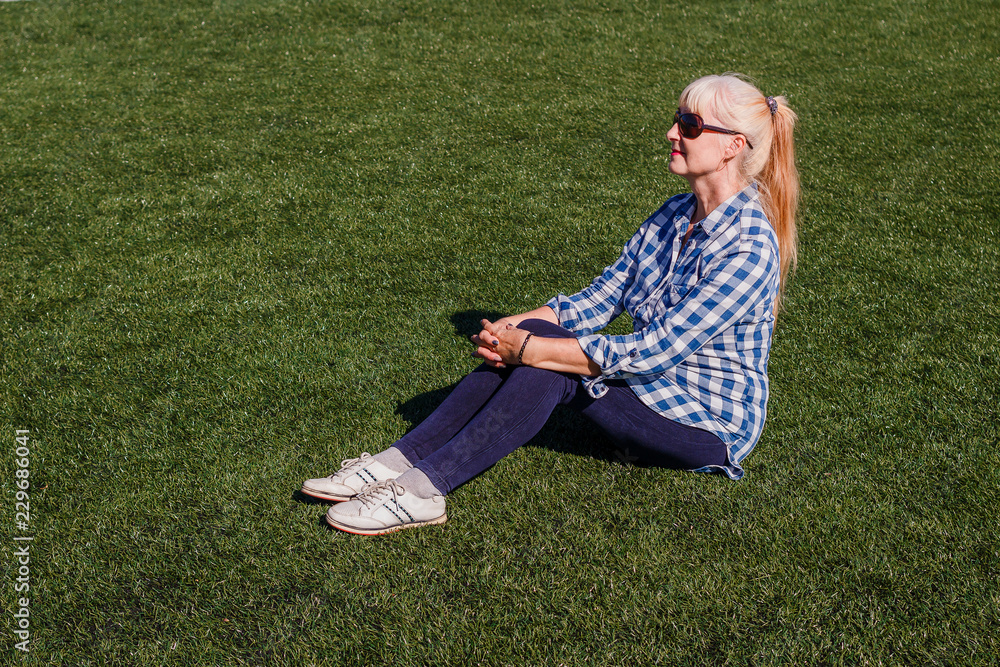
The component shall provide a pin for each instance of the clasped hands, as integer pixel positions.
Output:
(499, 343)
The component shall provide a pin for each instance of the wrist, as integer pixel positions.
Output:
(521, 354)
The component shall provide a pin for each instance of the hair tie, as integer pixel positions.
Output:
(772, 104)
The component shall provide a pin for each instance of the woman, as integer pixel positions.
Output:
(702, 281)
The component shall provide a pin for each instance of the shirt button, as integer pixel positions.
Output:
(633, 354)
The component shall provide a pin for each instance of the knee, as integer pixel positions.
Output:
(523, 372)
(532, 384)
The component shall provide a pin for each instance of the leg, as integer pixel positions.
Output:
(470, 395)
(455, 412)
(512, 415)
(515, 413)
(461, 405)
(647, 435)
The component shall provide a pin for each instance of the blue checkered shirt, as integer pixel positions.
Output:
(702, 318)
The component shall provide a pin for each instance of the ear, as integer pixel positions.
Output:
(736, 146)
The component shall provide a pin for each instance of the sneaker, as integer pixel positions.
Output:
(386, 507)
(354, 475)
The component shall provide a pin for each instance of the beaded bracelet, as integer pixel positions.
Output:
(523, 345)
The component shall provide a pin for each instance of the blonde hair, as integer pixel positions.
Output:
(740, 106)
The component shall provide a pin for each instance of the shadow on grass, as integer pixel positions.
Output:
(300, 497)
(467, 323)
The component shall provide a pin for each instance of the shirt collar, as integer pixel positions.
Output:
(728, 209)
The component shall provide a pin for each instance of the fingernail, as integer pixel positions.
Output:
(496, 342)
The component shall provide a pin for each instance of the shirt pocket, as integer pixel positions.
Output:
(682, 282)
(676, 292)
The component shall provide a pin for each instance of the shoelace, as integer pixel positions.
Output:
(359, 462)
(376, 494)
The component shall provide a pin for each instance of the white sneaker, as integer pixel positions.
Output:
(384, 508)
(354, 475)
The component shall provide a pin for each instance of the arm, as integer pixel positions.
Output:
(592, 308)
(506, 345)
(488, 340)
(585, 312)
(731, 290)
(723, 297)
(559, 354)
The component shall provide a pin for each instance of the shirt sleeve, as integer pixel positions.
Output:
(594, 307)
(724, 296)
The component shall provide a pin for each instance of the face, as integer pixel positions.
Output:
(702, 156)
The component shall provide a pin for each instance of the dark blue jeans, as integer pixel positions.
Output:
(492, 412)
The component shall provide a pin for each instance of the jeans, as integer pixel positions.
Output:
(492, 412)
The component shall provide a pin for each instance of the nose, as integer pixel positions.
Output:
(673, 134)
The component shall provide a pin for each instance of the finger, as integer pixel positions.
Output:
(490, 328)
(486, 337)
(494, 364)
(487, 354)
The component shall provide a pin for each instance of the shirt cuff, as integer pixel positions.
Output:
(604, 355)
(612, 358)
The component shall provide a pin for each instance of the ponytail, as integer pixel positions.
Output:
(778, 184)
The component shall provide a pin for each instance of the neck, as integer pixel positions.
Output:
(711, 192)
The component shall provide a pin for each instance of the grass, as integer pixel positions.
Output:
(243, 240)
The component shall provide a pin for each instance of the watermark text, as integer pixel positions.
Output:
(22, 539)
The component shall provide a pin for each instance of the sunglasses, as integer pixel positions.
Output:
(691, 126)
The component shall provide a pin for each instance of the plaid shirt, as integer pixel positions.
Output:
(702, 318)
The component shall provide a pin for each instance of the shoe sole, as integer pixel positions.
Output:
(326, 496)
(382, 531)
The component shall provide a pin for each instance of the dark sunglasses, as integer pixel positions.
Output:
(691, 126)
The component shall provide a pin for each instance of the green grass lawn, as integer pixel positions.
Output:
(242, 240)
